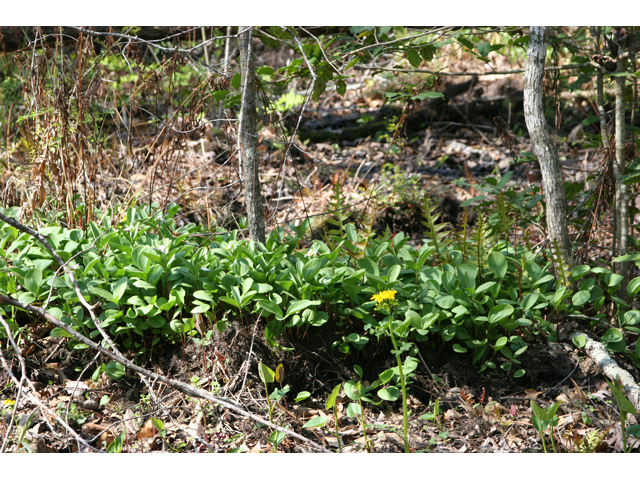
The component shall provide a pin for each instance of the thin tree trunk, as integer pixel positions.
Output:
(543, 146)
(602, 114)
(621, 200)
(249, 138)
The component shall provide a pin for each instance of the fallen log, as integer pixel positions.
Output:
(598, 353)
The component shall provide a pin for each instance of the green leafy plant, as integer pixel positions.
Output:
(331, 403)
(543, 418)
(358, 393)
(625, 407)
(117, 444)
(386, 302)
(269, 376)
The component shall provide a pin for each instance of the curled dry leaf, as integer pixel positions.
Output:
(148, 430)
(130, 424)
(532, 394)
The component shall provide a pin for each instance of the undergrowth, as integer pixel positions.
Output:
(475, 293)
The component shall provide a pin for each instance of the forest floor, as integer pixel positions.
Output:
(454, 408)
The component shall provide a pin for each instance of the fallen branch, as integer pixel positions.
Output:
(598, 353)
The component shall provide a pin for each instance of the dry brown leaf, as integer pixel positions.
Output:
(76, 389)
(531, 393)
(562, 398)
(40, 446)
(451, 414)
(148, 430)
(91, 429)
(129, 423)
(306, 412)
(106, 437)
(256, 448)
(578, 394)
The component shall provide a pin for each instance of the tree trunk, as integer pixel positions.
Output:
(602, 114)
(544, 147)
(249, 138)
(622, 197)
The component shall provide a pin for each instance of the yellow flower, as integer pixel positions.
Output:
(385, 295)
(385, 300)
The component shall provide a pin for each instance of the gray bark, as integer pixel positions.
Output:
(598, 353)
(544, 147)
(604, 131)
(249, 138)
(622, 196)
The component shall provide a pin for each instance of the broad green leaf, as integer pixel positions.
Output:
(312, 267)
(102, 293)
(459, 348)
(390, 394)
(579, 341)
(266, 374)
(414, 57)
(400, 32)
(33, 280)
(580, 298)
(271, 307)
(316, 422)
(632, 317)
(353, 410)
(612, 335)
(139, 260)
(500, 312)
(393, 273)
(545, 279)
(60, 333)
(446, 301)
(114, 370)
(414, 318)
(529, 301)
(485, 286)
(624, 404)
(579, 271)
(119, 288)
(116, 445)
(299, 305)
(498, 264)
(276, 437)
(203, 295)
(633, 287)
(302, 396)
(501, 342)
(352, 389)
(331, 401)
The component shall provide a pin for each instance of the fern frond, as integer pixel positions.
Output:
(481, 239)
(435, 234)
(558, 262)
(362, 235)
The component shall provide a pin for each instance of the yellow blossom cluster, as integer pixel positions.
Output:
(385, 295)
(385, 300)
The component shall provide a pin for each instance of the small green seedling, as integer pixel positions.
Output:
(542, 418)
(626, 407)
(269, 376)
(331, 403)
(359, 393)
(117, 444)
(435, 415)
